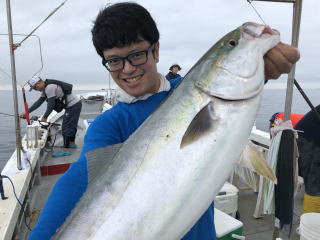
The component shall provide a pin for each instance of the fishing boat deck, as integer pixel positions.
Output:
(48, 170)
(49, 160)
(262, 228)
(52, 168)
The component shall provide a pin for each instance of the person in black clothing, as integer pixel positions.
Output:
(59, 96)
(174, 69)
(309, 159)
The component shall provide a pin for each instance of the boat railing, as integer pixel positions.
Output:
(111, 97)
(32, 136)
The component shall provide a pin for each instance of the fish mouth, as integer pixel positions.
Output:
(255, 30)
(241, 72)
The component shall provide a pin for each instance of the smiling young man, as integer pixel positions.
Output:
(133, 72)
(127, 39)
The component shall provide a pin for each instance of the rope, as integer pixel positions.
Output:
(21, 205)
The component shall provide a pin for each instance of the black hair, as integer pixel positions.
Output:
(122, 24)
(175, 65)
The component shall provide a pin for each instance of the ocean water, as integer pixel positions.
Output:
(273, 101)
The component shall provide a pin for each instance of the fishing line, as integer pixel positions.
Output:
(7, 114)
(5, 73)
(250, 2)
(8, 75)
(21, 205)
(53, 12)
(306, 99)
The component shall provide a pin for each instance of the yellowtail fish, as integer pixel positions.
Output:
(165, 176)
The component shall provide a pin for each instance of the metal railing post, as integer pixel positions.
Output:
(14, 88)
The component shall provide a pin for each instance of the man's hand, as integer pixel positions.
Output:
(279, 60)
(22, 115)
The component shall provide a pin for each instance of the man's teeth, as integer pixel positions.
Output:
(131, 79)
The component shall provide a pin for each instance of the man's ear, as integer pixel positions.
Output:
(156, 51)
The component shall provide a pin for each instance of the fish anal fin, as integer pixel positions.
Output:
(259, 163)
(200, 125)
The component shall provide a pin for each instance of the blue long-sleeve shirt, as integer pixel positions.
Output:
(112, 127)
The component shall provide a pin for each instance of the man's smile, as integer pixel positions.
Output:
(132, 79)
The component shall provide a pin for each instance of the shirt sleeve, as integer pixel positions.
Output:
(50, 90)
(37, 104)
(71, 186)
(50, 106)
(61, 201)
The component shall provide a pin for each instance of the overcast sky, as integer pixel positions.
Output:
(187, 30)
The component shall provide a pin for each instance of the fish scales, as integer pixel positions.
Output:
(167, 173)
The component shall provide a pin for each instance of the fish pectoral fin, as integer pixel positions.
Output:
(200, 125)
(99, 159)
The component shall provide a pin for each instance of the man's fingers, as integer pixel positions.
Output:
(271, 71)
(290, 52)
(280, 59)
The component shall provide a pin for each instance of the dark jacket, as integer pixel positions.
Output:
(172, 75)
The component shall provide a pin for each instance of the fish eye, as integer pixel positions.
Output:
(232, 43)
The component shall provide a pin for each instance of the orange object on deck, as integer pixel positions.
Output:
(294, 117)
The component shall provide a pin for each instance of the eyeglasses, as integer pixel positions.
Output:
(135, 59)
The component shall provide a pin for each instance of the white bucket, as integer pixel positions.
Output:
(310, 226)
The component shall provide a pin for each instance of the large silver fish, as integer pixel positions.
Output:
(164, 177)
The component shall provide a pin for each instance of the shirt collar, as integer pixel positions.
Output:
(123, 96)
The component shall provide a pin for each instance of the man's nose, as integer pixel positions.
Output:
(128, 67)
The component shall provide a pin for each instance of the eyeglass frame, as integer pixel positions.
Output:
(151, 48)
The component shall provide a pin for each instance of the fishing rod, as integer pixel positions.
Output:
(26, 108)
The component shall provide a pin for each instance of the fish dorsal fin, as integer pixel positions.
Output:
(99, 159)
(200, 125)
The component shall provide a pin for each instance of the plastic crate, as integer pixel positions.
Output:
(227, 199)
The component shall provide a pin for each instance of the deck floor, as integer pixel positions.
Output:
(262, 228)
(42, 191)
(49, 160)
